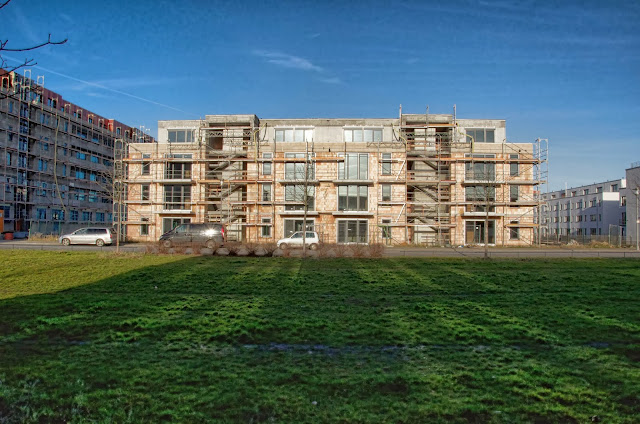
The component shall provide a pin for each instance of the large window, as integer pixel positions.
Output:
(144, 192)
(353, 198)
(480, 135)
(180, 136)
(480, 171)
(294, 171)
(178, 171)
(354, 167)
(296, 199)
(474, 232)
(177, 197)
(293, 225)
(367, 135)
(482, 196)
(169, 224)
(144, 228)
(353, 231)
(289, 135)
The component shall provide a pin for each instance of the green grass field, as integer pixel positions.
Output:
(89, 337)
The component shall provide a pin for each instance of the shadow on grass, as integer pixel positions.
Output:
(252, 340)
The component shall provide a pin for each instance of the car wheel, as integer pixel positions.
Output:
(99, 242)
(66, 242)
(313, 246)
(166, 243)
(283, 246)
(212, 245)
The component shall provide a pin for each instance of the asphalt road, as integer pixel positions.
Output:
(497, 252)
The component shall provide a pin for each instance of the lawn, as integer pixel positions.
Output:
(91, 337)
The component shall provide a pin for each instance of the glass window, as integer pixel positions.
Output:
(355, 166)
(144, 192)
(386, 229)
(266, 166)
(294, 193)
(144, 228)
(180, 136)
(266, 192)
(513, 193)
(352, 231)
(294, 171)
(481, 171)
(386, 164)
(514, 232)
(386, 192)
(513, 166)
(353, 198)
(266, 227)
(177, 197)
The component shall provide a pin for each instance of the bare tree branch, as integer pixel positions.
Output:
(3, 45)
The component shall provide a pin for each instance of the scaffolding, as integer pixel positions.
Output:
(239, 174)
(57, 163)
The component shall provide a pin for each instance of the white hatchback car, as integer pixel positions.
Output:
(295, 240)
(97, 236)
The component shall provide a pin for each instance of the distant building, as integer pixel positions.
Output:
(590, 210)
(56, 159)
(426, 179)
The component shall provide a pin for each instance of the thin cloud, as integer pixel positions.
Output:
(331, 80)
(288, 61)
(107, 89)
(123, 83)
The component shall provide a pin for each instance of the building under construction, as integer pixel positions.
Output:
(56, 159)
(419, 178)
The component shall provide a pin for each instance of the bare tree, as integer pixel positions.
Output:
(482, 194)
(4, 47)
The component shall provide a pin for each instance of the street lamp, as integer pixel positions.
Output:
(636, 191)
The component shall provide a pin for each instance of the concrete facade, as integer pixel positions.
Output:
(56, 159)
(425, 179)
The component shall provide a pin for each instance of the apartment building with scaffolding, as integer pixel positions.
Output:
(420, 178)
(56, 159)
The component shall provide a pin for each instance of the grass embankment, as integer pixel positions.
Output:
(90, 337)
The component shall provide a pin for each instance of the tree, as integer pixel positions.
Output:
(302, 192)
(483, 194)
(4, 47)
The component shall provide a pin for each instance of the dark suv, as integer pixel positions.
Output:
(210, 235)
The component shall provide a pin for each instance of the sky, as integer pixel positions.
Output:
(565, 71)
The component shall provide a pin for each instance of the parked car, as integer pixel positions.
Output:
(89, 235)
(209, 235)
(295, 240)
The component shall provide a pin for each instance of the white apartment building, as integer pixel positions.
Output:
(597, 209)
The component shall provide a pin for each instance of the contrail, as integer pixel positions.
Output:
(93, 84)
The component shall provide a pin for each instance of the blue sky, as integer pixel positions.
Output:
(566, 71)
